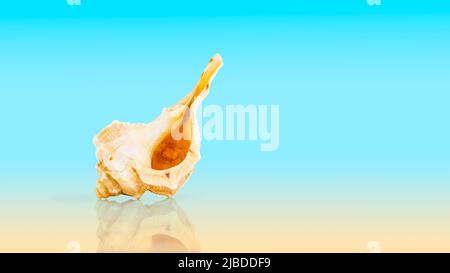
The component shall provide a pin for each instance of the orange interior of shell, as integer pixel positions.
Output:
(171, 151)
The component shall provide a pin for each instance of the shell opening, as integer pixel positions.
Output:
(170, 152)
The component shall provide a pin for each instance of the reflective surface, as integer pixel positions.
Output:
(271, 215)
(132, 226)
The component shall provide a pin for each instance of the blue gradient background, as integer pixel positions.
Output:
(364, 95)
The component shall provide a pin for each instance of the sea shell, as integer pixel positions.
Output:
(158, 156)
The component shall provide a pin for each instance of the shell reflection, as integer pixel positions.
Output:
(132, 226)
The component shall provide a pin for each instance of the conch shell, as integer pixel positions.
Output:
(158, 156)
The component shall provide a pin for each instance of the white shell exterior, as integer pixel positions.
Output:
(124, 150)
